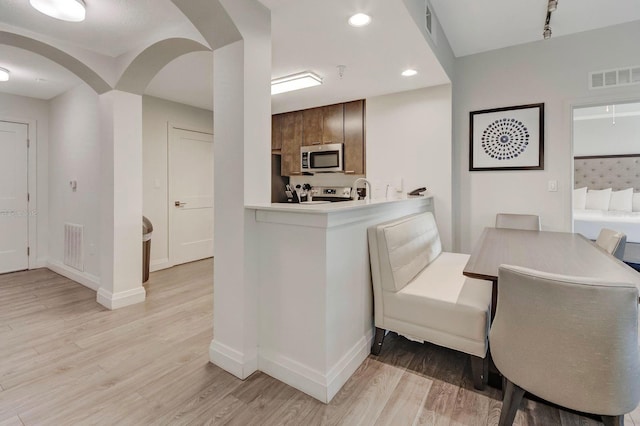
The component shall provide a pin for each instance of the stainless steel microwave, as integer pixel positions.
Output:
(322, 158)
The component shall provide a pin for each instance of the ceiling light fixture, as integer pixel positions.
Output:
(65, 10)
(297, 81)
(552, 5)
(409, 72)
(4, 74)
(359, 20)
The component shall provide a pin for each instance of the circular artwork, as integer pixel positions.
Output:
(505, 139)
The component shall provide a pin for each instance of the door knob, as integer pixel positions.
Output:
(179, 204)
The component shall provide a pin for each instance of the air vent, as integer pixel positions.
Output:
(613, 78)
(429, 21)
(73, 236)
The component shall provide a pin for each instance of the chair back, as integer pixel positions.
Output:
(571, 341)
(528, 222)
(401, 248)
(613, 242)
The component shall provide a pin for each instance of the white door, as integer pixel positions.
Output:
(190, 195)
(14, 206)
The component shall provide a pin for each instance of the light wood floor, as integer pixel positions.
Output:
(65, 360)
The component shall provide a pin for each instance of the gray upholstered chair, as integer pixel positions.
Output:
(571, 341)
(528, 222)
(612, 241)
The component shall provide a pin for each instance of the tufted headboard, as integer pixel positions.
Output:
(607, 171)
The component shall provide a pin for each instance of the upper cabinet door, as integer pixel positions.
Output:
(354, 138)
(291, 142)
(276, 132)
(312, 126)
(333, 124)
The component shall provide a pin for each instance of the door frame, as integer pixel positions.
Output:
(32, 186)
(171, 126)
(582, 103)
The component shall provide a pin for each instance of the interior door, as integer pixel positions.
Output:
(190, 195)
(14, 205)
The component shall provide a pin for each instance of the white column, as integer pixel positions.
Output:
(121, 200)
(242, 144)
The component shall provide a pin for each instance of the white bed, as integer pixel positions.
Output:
(590, 222)
(619, 175)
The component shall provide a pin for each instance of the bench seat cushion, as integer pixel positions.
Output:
(443, 298)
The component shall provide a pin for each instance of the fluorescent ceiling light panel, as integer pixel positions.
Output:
(4, 74)
(359, 20)
(295, 82)
(65, 10)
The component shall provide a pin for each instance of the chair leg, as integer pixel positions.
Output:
(512, 398)
(377, 341)
(613, 420)
(480, 371)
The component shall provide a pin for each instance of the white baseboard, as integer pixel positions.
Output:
(159, 264)
(321, 386)
(84, 278)
(232, 360)
(120, 299)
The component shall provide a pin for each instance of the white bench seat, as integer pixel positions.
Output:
(420, 291)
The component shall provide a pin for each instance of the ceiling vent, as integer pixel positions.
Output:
(429, 20)
(613, 78)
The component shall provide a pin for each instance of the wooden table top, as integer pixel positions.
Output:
(555, 252)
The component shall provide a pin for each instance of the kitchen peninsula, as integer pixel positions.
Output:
(315, 298)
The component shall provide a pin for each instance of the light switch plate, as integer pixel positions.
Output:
(552, 186)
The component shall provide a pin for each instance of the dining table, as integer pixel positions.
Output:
(554, 252)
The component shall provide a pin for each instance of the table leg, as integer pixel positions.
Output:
(494, 298)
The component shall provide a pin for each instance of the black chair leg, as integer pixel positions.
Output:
(512, 398)
(613, 420)
(377, 341)
(479, 371)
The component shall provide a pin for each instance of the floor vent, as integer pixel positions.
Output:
(613, 78)
(73, 237)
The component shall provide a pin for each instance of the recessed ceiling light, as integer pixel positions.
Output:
(409, 72)
(65, 10)
(359, 20)
(4, 74)
(293, 82)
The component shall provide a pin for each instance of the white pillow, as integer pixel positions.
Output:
(621, 201)
(598, 200)
(636, 202)
(579, 198)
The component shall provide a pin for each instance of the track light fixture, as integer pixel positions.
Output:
(552, 5)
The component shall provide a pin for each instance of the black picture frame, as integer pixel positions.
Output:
(508, 138)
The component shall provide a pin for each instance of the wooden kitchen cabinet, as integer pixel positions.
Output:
(323, 125)
(354, 138)
(333, 124)
(312, 124)
(291, 125)
(276, 132)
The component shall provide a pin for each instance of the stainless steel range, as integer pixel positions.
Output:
(331, 193)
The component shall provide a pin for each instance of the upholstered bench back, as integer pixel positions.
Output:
(405, 247)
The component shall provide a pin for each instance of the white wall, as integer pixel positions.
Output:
(601, 137)
(30, 110)
(157, 114)
(409, 137)
(552, 71)
(74, 154)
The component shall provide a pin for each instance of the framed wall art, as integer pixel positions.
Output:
(509, 138)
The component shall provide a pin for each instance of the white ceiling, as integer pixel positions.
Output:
(307, 35)
(314, 35)
(474, 26)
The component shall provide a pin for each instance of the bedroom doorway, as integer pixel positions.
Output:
(606, 164)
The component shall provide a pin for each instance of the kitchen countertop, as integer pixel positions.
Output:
(341, 206)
